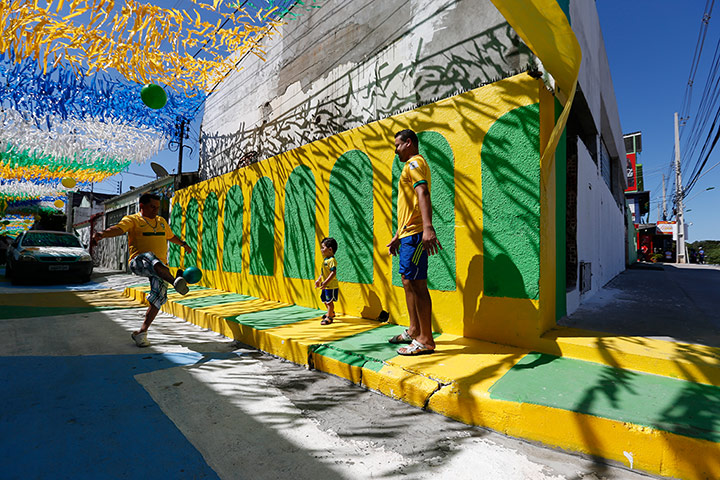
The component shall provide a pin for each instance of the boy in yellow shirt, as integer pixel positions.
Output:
(327, 280)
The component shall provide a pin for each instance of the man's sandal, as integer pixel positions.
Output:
(327, 320)
(415, 348)
(403, 337)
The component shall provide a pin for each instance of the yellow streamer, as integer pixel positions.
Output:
(134, 43)
(544, 27)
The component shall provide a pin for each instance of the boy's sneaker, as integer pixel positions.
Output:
(181, 286)
(141, 339)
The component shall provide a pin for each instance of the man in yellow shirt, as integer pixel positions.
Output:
(414, 240)
(148, 234)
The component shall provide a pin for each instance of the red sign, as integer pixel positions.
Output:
(631, 173)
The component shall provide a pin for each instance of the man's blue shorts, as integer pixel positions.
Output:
(413, 258)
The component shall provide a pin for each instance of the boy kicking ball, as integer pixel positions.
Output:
(327, 280)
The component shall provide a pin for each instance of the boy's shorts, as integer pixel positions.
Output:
(330, 295)
(144, 266)
(413, 258)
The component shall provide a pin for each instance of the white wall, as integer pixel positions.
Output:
(600, 229)
(595, 78)
(347, 64)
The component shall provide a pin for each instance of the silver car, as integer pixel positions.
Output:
(47, 255)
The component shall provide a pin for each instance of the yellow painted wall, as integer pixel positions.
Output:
(463, 121)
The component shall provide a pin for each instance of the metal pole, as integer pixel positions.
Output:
(180, 152)
(679, 196)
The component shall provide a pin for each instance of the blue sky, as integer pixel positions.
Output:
(650, 47)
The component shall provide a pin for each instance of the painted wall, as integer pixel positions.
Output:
(256, 230)
(601, 228)
(348, 64)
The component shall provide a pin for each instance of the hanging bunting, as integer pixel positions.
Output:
(144, 43)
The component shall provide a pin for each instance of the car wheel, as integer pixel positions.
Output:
(85, 278)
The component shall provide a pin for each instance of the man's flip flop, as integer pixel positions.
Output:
(415, 348)
(403, 337)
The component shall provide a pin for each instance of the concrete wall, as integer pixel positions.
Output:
(601, 236)
(347, 64)
(256, 230)
(601, 229)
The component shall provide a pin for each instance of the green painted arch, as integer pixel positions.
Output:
(262, 228)
(233, 230)
(510, 163)
(174, 251)
(351, 216)
(299, 244)
(442, 273)
(191, 233)
(209, 233)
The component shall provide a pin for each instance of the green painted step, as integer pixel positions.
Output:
(367, 349)
(667, 404)
(276, 317)
(214, 300)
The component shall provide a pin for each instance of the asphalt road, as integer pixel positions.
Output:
(81, 401)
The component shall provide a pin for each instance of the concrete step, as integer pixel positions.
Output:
(612, 397)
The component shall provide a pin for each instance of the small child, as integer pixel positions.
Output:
(327, 280)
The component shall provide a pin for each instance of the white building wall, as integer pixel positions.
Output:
(600, 229)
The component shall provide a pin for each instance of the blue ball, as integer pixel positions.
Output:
(192, 274)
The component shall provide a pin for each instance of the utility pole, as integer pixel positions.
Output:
(181, 129)
(664, 215)
(679, 197)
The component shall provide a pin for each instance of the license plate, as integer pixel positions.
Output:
(58, 268)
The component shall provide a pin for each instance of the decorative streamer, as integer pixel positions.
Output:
(134, 39)
(18, 190)
(86, 141)
(15, 224)
(61, 94)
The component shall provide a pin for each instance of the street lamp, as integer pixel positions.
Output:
(703, 191)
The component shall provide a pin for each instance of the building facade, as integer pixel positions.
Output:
(528, 229)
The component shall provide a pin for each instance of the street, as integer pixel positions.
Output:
(81, 401)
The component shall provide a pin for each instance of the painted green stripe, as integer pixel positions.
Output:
(191, 233)
(276, 317)
(668, 404)
(350, 220)
(214, 300)
(299, 244)
(30, 312)
(510, 163)
(233, 230)
(176, 218)
(262, 228)
(209, 234)
(367, 349)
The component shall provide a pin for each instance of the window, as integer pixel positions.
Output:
(605, 165)
(113, 217)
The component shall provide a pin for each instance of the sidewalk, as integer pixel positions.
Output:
(650, 403)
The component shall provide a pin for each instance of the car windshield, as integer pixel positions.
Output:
(48, 239)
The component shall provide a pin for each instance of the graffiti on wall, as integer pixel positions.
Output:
(344, 104)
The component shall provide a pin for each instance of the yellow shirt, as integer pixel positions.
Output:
(415, 172)
(145, 235)
(330, 265)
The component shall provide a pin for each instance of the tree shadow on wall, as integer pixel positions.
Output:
(483, 58)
